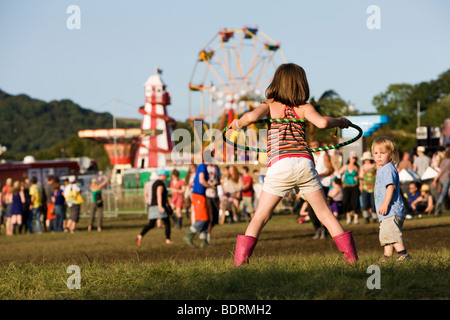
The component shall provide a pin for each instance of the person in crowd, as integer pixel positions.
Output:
(6, 205)
(388, 200)
(178, 189)
(25, 226)
(58, 200)
(424, 204)
(49, 215)
(202, 216)
(336, 160)
(37, 194)
(291, 164)
(350, 183)
(148, 192)
(405, 163)
(96, 206)
(247, 193)
(66, 205)
(159, 207)
(422, 161)
(410, 196)
(443, 177)
(436, 159)
(257, 186)
(367, 176)
(335, 197)
(212, 196)
(189, 182)
(17, 199)
(72, 194)
(232, 186)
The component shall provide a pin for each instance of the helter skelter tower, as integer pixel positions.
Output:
(154, 150)
(145, 147)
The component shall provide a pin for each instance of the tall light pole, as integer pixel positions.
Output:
(418, 113)
(114, 127)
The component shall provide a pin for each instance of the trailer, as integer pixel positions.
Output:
(40, 169)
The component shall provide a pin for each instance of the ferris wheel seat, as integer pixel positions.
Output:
(194, 87)
(272, 47)
(205, 55)
(250, 32)
(226, 35)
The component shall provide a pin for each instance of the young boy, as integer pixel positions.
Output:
(388, 200)
(199, 207)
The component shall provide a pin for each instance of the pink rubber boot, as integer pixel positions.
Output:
(346, 245)
(244, 249)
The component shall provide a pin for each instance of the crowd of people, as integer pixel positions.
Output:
(29, 207)
(230, 195)
(207, 195)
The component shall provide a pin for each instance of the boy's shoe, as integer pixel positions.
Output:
(404, 257)
(383, 259)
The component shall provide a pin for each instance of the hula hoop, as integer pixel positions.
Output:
(325, 148)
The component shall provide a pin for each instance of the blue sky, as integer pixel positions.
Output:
(120, 43)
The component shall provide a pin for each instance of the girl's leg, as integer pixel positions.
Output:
(234, 212)
(148, 227)
(245, 244)
(92, 216)
(344, 240)
(179, 216)
(14, 223)
(355, 217)
(267, 202)
(318, 203)
(9, 226)
(100, 218)
(167, 229)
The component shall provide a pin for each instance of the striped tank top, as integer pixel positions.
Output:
(287, 139)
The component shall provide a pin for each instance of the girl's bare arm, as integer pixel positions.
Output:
(323, 122)
(250, 117)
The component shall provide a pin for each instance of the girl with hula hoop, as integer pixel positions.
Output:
(291, 163)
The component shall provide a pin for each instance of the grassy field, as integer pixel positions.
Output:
(287, 264)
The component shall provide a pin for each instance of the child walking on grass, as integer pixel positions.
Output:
(291, 163)
(388, 200)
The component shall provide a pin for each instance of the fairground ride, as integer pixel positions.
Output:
(230, 75)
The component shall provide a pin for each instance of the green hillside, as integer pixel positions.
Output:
(49, 130)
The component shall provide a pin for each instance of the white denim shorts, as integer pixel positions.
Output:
(296, 173)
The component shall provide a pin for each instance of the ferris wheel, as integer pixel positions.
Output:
(231, 73)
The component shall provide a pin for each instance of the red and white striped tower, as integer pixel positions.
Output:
(154, 150)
